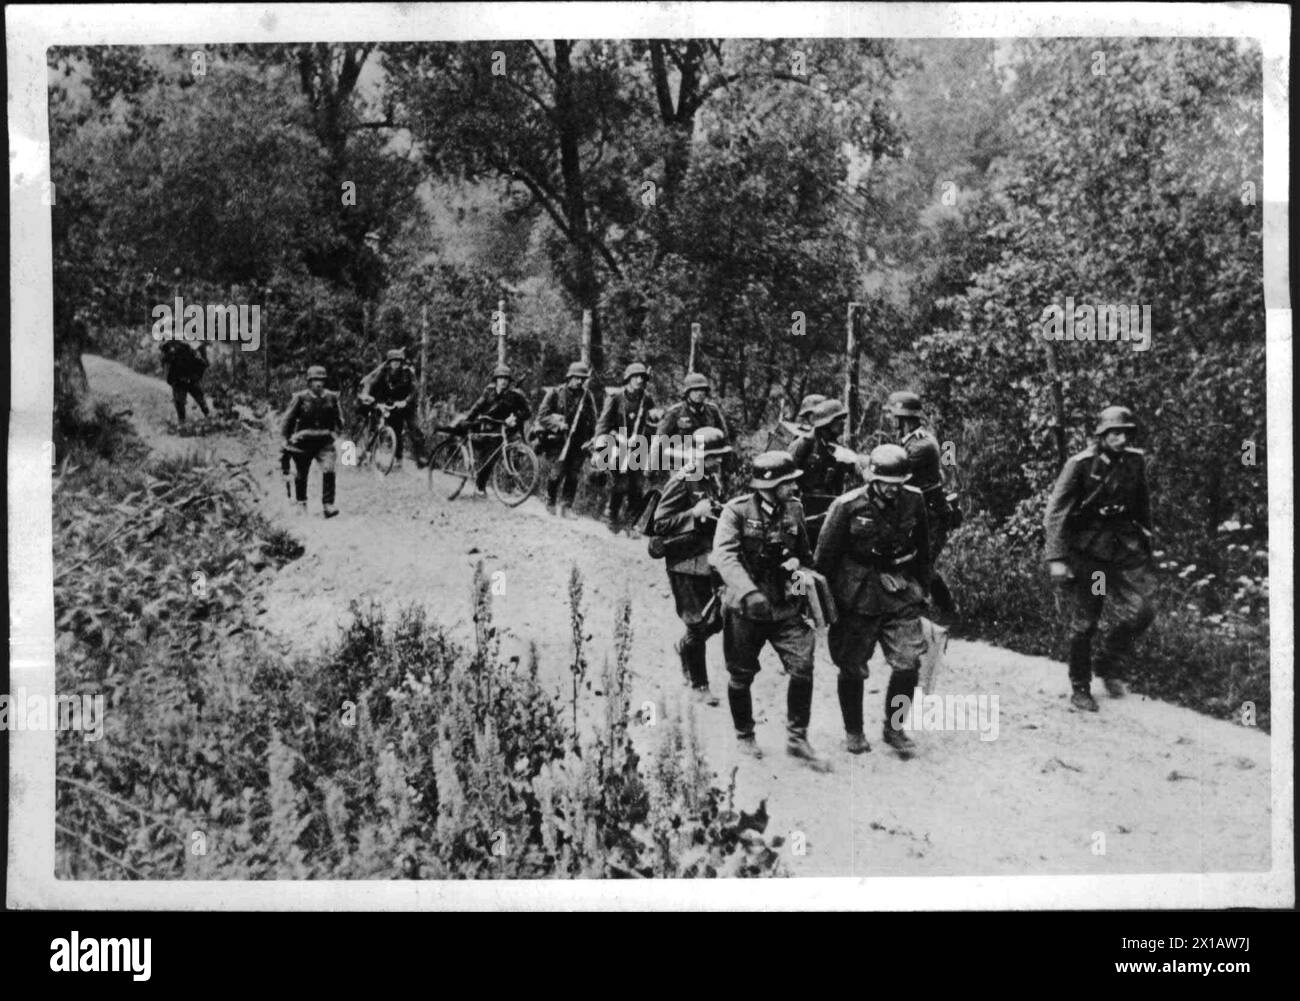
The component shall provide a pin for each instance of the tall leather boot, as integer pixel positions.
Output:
(900, 683)
(850, 692)
(798, 701)
(742, 710)
(1081, 661)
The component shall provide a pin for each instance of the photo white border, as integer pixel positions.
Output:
(31, 29)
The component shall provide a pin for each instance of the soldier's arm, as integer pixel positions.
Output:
(290, 419)
(550, 403)
(832, 540)
(725, 556)
(479, 406)
(921, 540)
(1143, 513)
(673, 515)
(801, 449)
(522, 409)
(368, 381)
(336, 416)
(801, 547)
(603, 424)
(1065, 494)
(668, 422)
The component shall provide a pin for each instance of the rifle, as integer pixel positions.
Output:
(636, 429)
(577, 417)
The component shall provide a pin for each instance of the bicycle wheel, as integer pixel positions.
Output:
(516, 474)
(449, 468)
(384, 450)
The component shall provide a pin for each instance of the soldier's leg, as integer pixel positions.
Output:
(301, 467)
(178, 401)
(416, 436)
(196, 391)
(553, 482)
(617, 491)
(794, 641)
(852, 639)
(397, 421)
(691, 593)
(484, 474)
(903, 644)
(572, 472)
(1085, 611)
(742, 639)
(327, 462)
(1129, 592)
(635, 491)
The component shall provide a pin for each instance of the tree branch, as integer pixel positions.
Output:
(541, 58)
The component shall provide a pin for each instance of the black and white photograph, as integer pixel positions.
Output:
(554, 456)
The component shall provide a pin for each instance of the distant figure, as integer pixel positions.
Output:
(568, 421)
(499, 401)
(394, 384)
(1098, 529)
(184, 368)
(626, 416)
(308, 429)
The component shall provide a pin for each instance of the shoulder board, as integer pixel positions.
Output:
(740, 500)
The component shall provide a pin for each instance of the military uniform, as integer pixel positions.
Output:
(824, 477)
(184, 367)
(626, 415)
(1099, 521)
(389, 386)
(577, 409)
(497, 406)
(692, 579)
(754, 537)
(308, 428)
(875, 554)
(685, 419)
(925, 462)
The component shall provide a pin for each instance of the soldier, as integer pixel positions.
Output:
(923, 459)
(499, 401)
(308, 429)
(393, 383)
(1098, 530)
(874, 551)
(627, 415)
(694, 411)
(826, 474)
(568, 415)
(184, 367)
(760, 544)
(689, 508)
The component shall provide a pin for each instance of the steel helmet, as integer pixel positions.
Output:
(826, 412)
(578, 368)
(316, 372)
(1114, 418)
(809, 402)
(695, 381)
(888, 464)
(904, 404)
(396, 354)
(636, 368)
(502, 371)
(710, 441)
(773, 468)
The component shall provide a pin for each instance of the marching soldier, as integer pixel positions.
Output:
(688, 515)
(923, 459)
(825, 475)
(502, 402)
(627, 415)
(874, 551)
(394, 383)
(760, 544)
(308, 429)
(1098, 532)
(568, 417)
(695, 411)
(184, 367)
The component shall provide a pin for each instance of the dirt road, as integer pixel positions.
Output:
(1169, 789)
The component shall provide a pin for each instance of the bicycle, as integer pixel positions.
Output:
(452, 462)
(378, 439)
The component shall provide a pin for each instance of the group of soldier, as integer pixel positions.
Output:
(864, 532)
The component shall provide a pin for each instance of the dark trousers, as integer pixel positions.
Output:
(742, 641)
(564, 476)
(180, 390)
(302, 459)
(852, 639)
(692, 594)
(626, 488)
(1127, 591)
(486, 444)
(402, 422)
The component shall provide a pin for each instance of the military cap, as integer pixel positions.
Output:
(578, 369)
(636, 368)
(710, 441)
(502, 371)
(773, 468)
(316, 372)
(826, 412)
(904, 404)
(888, 464)
(1114, 419)
(695, 381)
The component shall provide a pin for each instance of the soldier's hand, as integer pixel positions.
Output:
(1060, 572)
(511, 421)
(702, 509)
(791, 565)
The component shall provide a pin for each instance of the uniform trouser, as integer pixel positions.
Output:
(1127, 591)
(793, 640)
(625, 487)
(852, 640)
(302, 458)
(564, 476)
(402, 422)
(486, 444)
(692, 593)
(180, 390)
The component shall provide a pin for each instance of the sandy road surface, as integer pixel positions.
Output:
(1171, 790)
